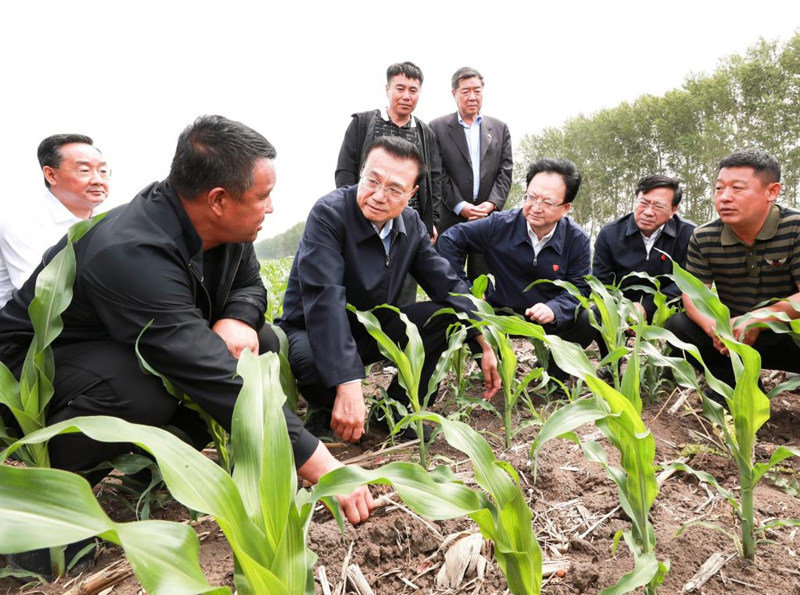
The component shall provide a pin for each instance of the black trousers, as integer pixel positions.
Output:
(433, 335)
(778, 351)
(104, 378)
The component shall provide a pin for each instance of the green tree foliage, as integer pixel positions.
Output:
(282, 245)
(749, 100)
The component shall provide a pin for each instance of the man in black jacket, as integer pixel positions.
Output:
(403, 87)
(627, 244)
(180, 254)
(359, 244)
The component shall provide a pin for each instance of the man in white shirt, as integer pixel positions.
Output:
(76, 177)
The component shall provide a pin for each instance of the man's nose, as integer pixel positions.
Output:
(268, 206)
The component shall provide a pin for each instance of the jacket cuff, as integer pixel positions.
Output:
(245, 312)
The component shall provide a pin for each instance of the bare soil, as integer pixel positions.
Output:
(575, 506)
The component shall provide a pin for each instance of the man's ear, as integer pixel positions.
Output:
(49, 174)
(774, 190)
(216, 199)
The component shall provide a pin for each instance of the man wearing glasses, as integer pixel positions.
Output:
(536, 242)
(403, 88)
(359, 244)
(645, 241)
(76, 177)
(477, 159)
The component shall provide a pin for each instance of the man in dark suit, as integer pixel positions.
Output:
(359, 244)
(476, 157)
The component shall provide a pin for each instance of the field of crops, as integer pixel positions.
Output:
(627, 479)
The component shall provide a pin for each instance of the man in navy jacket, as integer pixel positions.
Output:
(627, 244)
(359, 244)
(532, 243)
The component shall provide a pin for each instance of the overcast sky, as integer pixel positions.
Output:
(134, 74)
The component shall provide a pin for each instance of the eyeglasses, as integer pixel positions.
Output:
(658, 209)
(87, 172)
(391, 192)
(546, 203)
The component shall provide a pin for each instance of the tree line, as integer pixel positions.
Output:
(750, 100)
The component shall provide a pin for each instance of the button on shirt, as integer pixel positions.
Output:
(24, 238)
(472, 132)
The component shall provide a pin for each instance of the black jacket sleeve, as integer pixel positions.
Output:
(247, 300)
(350, 154)
(601, 262)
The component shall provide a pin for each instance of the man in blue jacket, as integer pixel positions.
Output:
(359, 244)
(536, 242)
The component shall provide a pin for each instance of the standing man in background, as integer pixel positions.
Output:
(403, 87)
(476, 156)
(76, 177)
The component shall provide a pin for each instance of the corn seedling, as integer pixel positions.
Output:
(747, 403)
(259, 509)
(618, 416)
(409, 362)
(28, 399)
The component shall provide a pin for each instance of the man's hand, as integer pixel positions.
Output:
(491, 378)
(486, 208)
(237, 335)
(540, 313)
(749, 336)
(471, 212)
(356, 505)
(349, 412)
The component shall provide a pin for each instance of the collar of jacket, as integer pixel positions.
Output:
(183, 233)
(361, 226)
(670, 227)
(520, 233)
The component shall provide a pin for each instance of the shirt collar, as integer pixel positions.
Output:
(57, 210)
(669, 228)
(767, 231)
(411, 122)
(387, 229)
(478, 119)
(555, 236)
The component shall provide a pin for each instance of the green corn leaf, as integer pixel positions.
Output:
(646, 571)
(408, 368)
(288, 383)
(49, 507)
(778, 456)
(567, 419)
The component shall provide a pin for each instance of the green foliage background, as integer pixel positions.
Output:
(749, 100)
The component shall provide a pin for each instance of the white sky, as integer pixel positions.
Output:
(133, 74)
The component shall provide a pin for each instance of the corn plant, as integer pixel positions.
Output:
(28, 399)
(409, 362)
(618, 416)
(747, 403)
(259, 509)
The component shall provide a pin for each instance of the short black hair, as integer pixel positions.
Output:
(407, 69)
(564, 167)
(648, 183)
(465, 72)
(49, 151)
(764, 165)
(214, 152)
(400, 148)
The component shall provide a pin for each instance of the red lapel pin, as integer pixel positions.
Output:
(555, 268)
(663, 257)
